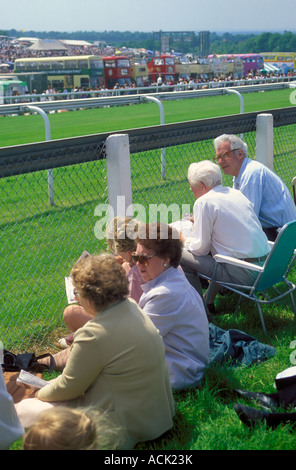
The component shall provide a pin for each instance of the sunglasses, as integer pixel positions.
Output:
(142, 259)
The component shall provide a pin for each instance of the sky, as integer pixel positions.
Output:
(149, 15)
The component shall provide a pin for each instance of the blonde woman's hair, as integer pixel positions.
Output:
(121, 233)
(61, 428)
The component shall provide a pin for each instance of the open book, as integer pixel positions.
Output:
(69, 283)
(30, 379)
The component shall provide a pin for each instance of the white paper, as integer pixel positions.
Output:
(185, 226)
(69, 284)
(70, 290)
(31, 379)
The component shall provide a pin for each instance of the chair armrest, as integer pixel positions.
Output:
(237, 262)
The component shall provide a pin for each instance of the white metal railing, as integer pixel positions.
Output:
(36, 109)
(140, 90)
(56, 105)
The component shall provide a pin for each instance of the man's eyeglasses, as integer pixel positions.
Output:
(224, 156)
(143, 259)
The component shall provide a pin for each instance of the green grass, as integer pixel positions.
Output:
(39, 245)
(15, 130)
(205, 417)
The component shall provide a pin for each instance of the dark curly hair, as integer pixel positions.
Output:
(164, 240)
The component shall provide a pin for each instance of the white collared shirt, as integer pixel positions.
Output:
(225, 223)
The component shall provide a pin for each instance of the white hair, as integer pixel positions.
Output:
(235, 142)
(206, 172)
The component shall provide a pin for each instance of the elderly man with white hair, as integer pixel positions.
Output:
(271, 199)
(224, 223)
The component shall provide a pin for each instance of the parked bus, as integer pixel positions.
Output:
(117, 71)
(182, 68)
(251, 62)
(200, 68)
(65, 72)
(283, 61)
(164, 66)
(139, 71)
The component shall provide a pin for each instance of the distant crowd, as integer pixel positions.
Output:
(180, 85)
(12, 49)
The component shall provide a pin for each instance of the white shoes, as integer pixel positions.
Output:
(63, 343)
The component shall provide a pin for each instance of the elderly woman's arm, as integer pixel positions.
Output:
(82, 369)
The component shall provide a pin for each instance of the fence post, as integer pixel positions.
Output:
(119, 174)
(264, 139)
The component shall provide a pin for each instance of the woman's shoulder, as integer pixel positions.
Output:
(172, 282)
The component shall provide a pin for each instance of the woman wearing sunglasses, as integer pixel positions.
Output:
(173, 305)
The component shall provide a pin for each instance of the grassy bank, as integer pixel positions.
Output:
(39, 245)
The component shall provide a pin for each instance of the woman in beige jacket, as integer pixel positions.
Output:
(117, 361)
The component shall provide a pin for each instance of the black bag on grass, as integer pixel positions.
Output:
(26, 361)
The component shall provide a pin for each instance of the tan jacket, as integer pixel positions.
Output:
(117, 363)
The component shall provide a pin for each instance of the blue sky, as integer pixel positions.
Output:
(148, 15)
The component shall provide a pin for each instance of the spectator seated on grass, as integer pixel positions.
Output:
(173, 305)
(270, 197)
(62, 428)
(117, 360)
(120, 235)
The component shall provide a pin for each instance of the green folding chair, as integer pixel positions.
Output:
(272, 276)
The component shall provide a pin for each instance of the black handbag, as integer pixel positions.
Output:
(26, 361)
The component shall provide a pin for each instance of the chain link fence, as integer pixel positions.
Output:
(41, 239)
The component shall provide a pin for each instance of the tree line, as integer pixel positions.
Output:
(226, 43)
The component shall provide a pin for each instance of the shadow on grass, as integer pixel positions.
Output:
(176, 438)
(245, 316)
